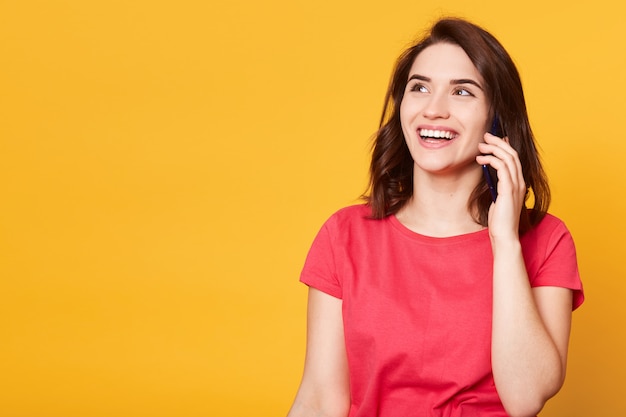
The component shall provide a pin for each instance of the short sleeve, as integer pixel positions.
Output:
(320, 269)
(560, 267)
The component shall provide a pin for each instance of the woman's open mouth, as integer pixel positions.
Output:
(433, 136)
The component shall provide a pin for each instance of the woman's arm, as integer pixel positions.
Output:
(531, 327)
(324, 390)
(529, 337)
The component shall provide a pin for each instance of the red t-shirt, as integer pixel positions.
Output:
(417, 310)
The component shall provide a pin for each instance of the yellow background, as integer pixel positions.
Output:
(164, 166)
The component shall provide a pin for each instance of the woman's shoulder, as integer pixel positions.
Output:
(548, 225)
(549, 233)
(550, 256)
(351, 217)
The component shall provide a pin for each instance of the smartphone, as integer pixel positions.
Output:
(491, 178)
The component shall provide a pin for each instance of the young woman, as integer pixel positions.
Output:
(432, 299)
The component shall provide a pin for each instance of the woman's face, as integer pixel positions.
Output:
(444, 112)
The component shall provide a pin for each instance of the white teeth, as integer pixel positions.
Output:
(437, 134)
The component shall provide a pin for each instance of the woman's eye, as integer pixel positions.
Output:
(463, 92)
(421, 88)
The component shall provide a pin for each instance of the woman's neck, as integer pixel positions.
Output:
(439, 207)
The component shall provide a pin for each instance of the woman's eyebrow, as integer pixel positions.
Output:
(419, 77)
(465, 81)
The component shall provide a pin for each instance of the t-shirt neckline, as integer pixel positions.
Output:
(465, 237)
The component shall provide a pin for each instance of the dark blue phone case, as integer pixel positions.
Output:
(492, 187)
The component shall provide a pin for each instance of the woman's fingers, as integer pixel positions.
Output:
(498, 153)
(504, 214)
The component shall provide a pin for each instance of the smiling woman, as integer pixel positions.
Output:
(431, 299)
(496, 79)
(444, 114)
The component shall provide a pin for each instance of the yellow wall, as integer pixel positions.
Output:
(164, 166)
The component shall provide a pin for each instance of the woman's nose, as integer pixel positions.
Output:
(437, 107)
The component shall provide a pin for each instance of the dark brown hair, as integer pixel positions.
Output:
(391, 169)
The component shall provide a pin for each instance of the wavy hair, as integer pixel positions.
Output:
(391, 168)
